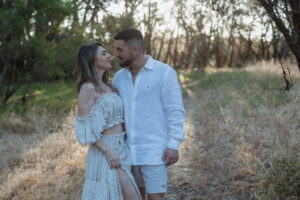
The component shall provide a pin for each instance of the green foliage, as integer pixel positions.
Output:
(283, 180)
(27, 37)
(66, 55)
(40, 39)
(114, 24)
(44, 97)
(35, 43)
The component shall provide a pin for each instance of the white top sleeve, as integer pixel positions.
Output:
(88, 128)
(106, 112)
(172, 103)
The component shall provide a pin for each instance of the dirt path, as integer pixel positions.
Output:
(226, 152)
(178, 186)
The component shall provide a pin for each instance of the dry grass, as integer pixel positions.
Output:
(46, 164)
(238, 124)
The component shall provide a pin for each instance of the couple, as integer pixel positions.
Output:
(146, 96)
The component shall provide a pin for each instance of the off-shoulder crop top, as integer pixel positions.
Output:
(106, 112)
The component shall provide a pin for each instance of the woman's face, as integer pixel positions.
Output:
(102, 59)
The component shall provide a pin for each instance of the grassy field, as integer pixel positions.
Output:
(52, 101)
(242, 139)
(244, 134)
(56, 97)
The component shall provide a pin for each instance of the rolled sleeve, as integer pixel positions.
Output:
(172, 103)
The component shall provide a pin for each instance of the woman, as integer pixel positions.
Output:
(99, 123)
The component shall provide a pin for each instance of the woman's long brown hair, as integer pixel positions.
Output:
(87, 69)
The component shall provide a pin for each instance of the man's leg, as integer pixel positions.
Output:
(143, 192)
(157, 196)
(156, 179)
(137, 174)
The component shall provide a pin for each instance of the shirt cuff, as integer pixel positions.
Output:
(173, 143)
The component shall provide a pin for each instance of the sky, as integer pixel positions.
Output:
(165, 11)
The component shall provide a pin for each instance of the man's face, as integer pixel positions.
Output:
(123, 52)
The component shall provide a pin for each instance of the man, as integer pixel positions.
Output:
(154, 114)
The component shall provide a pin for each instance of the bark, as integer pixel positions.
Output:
(161, 46)
(290, 34)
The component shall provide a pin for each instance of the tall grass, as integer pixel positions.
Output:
(39, 156)
(243, 125)
(43, 164)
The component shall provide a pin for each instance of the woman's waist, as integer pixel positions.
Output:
(114, 130)
(114, 134)
(115, 142)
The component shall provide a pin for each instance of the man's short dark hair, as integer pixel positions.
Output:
(131, 36)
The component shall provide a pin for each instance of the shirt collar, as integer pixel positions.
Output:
(148, 65)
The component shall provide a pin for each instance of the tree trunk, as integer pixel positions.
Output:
(168, 50)
(291, 39)
(161, 46)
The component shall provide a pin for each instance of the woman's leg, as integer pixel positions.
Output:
(128, 190)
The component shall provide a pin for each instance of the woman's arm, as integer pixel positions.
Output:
(112, 158)
(85, 104)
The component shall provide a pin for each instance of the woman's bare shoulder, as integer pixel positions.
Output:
(88, 86)
(86, 98)
(87, 92)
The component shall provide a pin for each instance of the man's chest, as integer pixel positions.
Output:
(140, 86)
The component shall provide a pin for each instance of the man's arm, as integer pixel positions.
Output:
(172, 103)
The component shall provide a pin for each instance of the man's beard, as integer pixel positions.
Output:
(127, 62)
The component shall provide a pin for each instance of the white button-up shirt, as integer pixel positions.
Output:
(154, 114)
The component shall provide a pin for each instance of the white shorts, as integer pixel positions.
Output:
(153, 177)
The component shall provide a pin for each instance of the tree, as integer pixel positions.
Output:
(286, 15)
(27, 30)
(35, 45)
